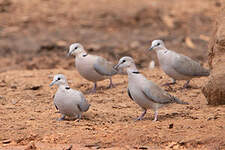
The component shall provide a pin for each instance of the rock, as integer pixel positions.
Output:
(172, 144)
(143, 147)
(204, 38)
(214, 89)
(31, 146)
(171, 126)
(189, 42)
(69, 148)
(14, 87)
(32, 87)
(92, 145)
(6, 141)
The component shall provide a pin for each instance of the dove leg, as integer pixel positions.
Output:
(111, 83)
(142, 115)
(94, 88)
(171, 83)
(156, 116)
(78, 117)
(62, 118)
(186, 85)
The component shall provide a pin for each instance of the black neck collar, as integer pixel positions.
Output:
(85, 55)
(136, 72)
(67, 87)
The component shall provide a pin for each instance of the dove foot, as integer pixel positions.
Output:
(186, 85)
(156, 116)
(111, 85)
(170, 83)
(141, 116)
(78, 118)
(62, 118)
(93, 90)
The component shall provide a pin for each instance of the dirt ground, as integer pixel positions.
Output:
(28, 114)
(39, 39)
(34, 39)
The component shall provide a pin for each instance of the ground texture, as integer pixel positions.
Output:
(34, 39)
(28, 114)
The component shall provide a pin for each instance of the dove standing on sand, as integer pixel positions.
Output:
(177, 66)
(144, 92)
(69, 102)
(91, 67)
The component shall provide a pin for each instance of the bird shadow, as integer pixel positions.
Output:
(100, 89)
(75, 119)
(169, 88)
(189, 87)
(167, 116)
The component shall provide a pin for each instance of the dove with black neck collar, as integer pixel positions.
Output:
(143, 91)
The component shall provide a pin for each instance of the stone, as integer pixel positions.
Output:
(214, 89)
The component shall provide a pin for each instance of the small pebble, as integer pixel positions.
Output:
(171, 126)
(6, 141)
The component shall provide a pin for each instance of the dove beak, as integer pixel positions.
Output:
(151, 48)
(68, 54)
(53, 82)
(117, 66)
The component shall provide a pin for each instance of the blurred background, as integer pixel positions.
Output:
(36, 34)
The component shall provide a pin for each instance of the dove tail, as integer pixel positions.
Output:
(207, 73)
(178, 101)
(203, 72)
(87, 108)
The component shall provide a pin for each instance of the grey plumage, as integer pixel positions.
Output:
(177, 66)
(84, 106)
(158, 95)
(187, 66)
(69, 102)
(104, 67)
(128, 92)
(144, 92)
(91, 67)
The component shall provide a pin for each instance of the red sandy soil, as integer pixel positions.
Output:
(34, 39)
(28, 114)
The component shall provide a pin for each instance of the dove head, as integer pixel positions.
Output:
(59, 79)
(75, 49)
(125, 62)
(157, 44)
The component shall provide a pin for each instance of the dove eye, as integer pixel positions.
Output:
(59, 79)
(124, 61)
(158, 44)
(75, 47)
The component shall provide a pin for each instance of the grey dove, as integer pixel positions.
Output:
(144, 92)
(91, 67)
(69, 102)
(177, 66)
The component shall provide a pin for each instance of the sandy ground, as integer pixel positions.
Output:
(39, 39)
(28, 115)
(34, 39)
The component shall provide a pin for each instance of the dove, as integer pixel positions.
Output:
(143, 91)
(69, 102)
(177, 66)
(91, 67)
